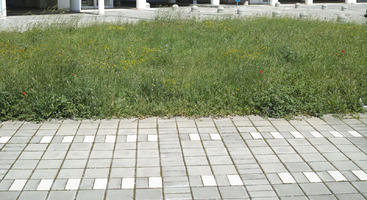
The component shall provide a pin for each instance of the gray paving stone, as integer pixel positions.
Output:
(119, 194)
(361, 186)
(288, 190)
(205, 193)
(70, 173)
(49, 164)
(90, 195)
(148, 194)
(314, 188)
(341, 187)
(234, 192)
(9, 195)
(350, 196)
(33, 195)
(61, 195)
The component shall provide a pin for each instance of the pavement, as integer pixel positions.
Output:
(240, 157)
(352, 13)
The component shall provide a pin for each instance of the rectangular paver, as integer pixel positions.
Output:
(316, 134)
(46, 139)
(286, 177)
(336, 134)
(155, 182)
(234, 180)
(355, 134)
(45, 184)
(17, 185)
(127, 183)
(72, 184)
(360, 174)
(100, 183)
(312, 177)
(67, 139)
(256, 135)
(208, 181)
(276, 135)
(337, 176)
(88, 139)
(297, 134)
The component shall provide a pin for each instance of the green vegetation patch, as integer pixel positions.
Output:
(272, 67)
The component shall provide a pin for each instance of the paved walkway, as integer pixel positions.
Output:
(228, 158)
(353, 13)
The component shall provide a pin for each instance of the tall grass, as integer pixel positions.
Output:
(273, 67)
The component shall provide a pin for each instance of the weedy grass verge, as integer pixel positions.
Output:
(273, 67)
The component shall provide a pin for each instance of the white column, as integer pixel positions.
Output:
(214, 2)
(101, 7)
(2, 8)
(141, 4)
(75, 5)
(273, 2)
(309, 2)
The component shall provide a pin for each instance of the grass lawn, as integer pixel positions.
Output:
(273, 67)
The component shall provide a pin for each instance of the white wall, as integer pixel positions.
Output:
(2, 8)
(63, 4)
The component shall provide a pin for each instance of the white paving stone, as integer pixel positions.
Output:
(46, 139)
(67, 139)
(127, 183)
(100, 184)
(110, 139)
(276, 135)
(131, 138)
(4, 139)
(297, 134)
(155, 182)
(88, 139)
(234, 180)
(312, 177)
(72, 184)
(256, 135)
(17, 185)
(336, 134)
(194, 137)
(360, 174)
(355, 134)
(337, 176)
(152, 138)
(208, 181)
(45, 184)
(316, 134)
(286, 177)
(215, 136)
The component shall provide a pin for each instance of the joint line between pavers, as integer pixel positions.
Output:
(136, 156)
(160, 160)
(183, 158)
(112, 158)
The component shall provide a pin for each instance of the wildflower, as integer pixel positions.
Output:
(166, 45)
(24, 93)
(261, 71)
(343, 51)
(73, 74)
